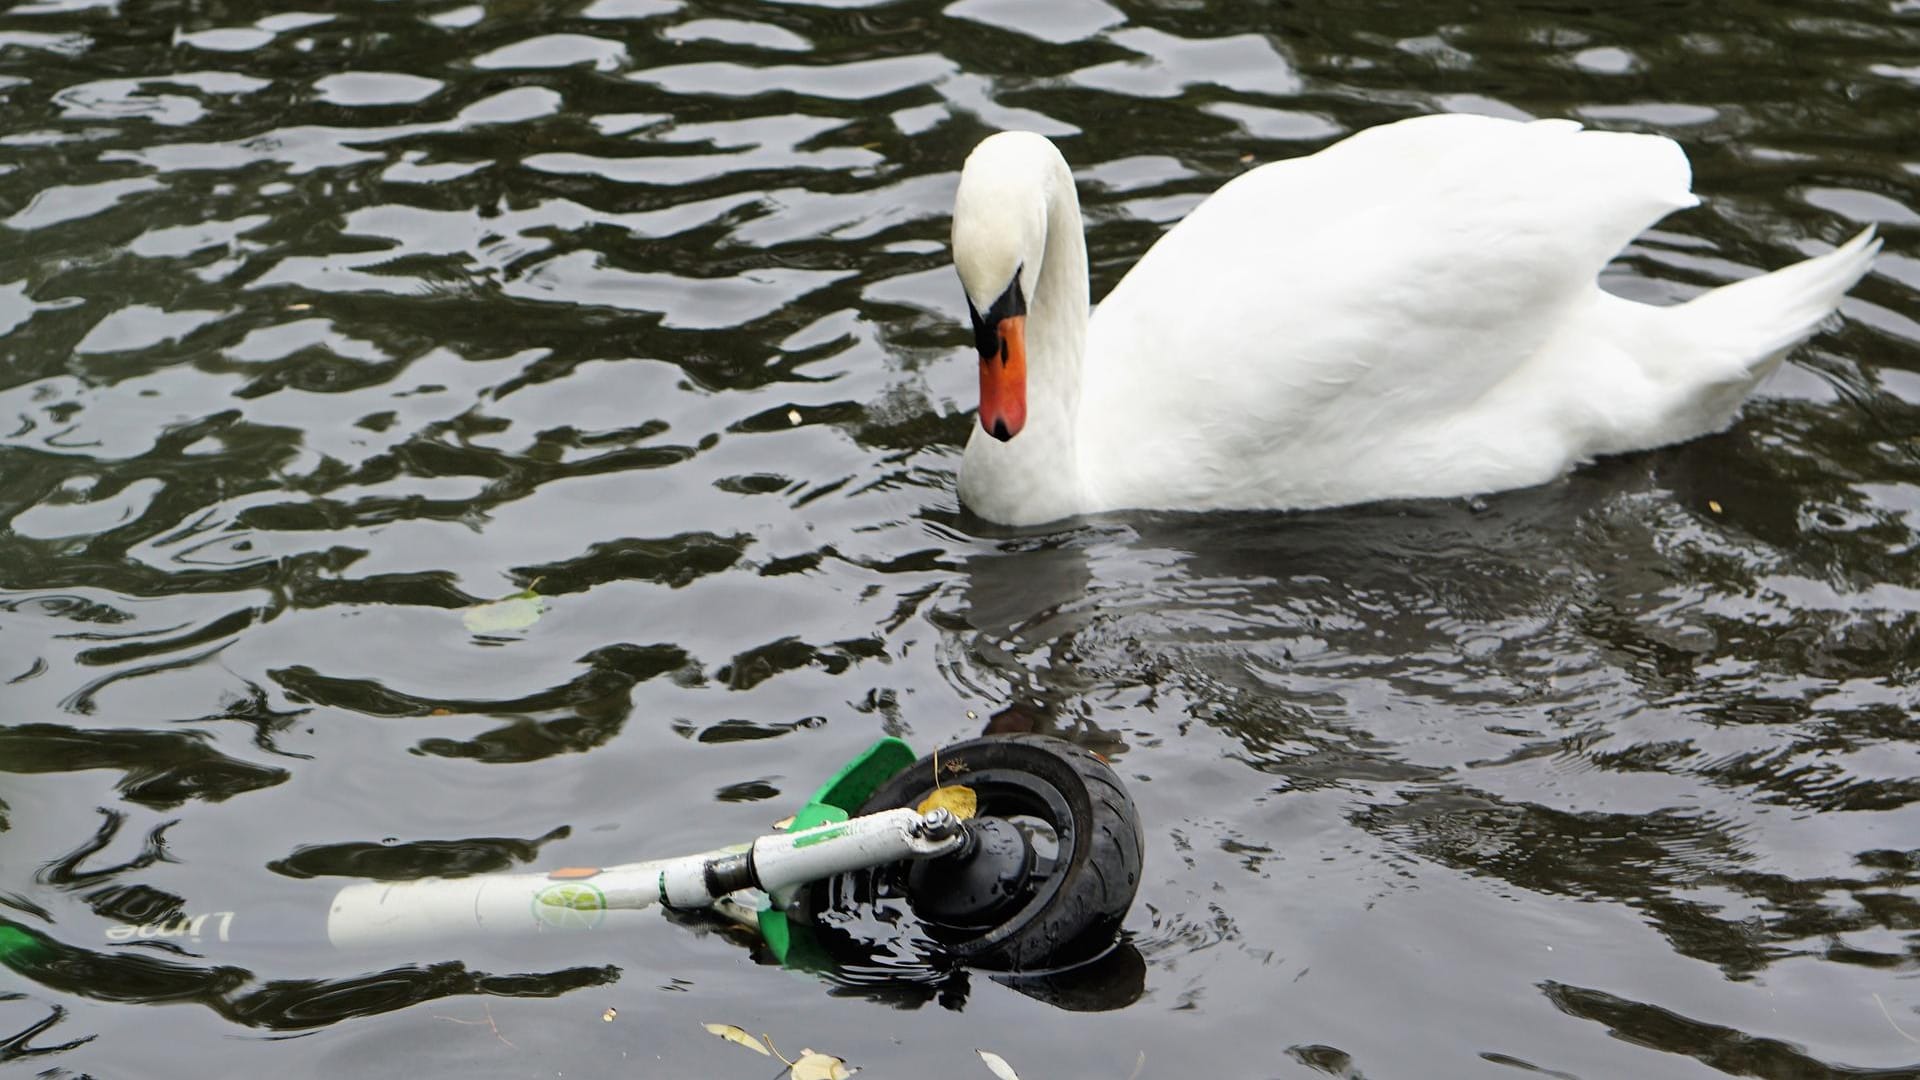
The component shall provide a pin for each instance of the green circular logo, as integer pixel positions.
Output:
(570, 905)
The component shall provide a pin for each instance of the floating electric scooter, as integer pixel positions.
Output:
(1038, 879)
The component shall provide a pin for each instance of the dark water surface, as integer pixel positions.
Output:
(317, 328)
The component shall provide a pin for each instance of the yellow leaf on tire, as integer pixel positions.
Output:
(956, 799)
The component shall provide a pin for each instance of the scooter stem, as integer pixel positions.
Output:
(578, 898)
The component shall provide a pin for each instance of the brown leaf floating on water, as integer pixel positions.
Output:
(738, 1035)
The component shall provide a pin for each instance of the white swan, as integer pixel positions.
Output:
(1412, 312)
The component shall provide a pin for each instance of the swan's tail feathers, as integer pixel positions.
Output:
(1708, 354)
(1765, 316)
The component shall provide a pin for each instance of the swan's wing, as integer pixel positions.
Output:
(1397, 276)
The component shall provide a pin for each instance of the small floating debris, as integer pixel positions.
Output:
(735, 1034)
(507, 615)
(997, 1065)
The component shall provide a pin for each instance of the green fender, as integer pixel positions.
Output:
(835, 800)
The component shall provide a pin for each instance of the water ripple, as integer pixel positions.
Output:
(323, 326)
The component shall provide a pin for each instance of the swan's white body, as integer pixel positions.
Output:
(1412, 312)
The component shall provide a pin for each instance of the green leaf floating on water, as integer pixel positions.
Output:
(508, 615)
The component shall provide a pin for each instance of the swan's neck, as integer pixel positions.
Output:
(1035, 476)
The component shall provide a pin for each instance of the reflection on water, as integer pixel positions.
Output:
(319, 327)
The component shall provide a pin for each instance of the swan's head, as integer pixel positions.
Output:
(999, 237)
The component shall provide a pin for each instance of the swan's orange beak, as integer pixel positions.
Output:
(1003, 380)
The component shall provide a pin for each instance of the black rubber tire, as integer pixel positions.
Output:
(1078, 915)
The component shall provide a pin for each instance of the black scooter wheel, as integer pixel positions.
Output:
(1076, 817)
